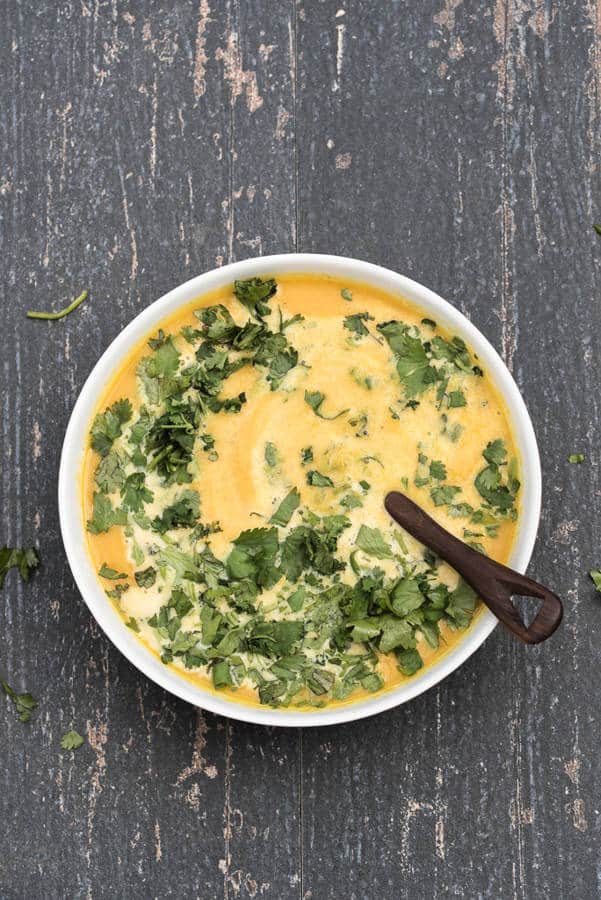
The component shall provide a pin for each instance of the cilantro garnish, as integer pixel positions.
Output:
(104, 516)
(184, 512)
(316, 479)
(355, 323)
(271, 455)
(254, 293)
(346, 294)
(145, 578)
(372, 542)
(444, 494)
(498, 492)
(315, 399)
(576, 458)
(134, 492)
(306, 455)
(289, 607)
(285, 510)
(108, 426)
(25, 560)
(111, 574)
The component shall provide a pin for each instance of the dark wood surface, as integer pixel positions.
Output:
(143, 142)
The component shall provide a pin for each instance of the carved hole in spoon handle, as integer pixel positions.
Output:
(494, 583)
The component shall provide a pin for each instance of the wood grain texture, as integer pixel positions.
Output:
(456, 141)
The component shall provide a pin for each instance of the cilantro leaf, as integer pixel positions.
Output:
(271, 455)
(254, 293)
(306, 455)
(24, 703)
(108, 426)
(111, 574)
(371, 541)
(355, 325)
(438, 470)
(461, 605)
(396, 633)
(104, 516)
(285, 510)
(135, 493)
(25, 560)
(316, 479)
(275, 639)
(456, 399)
(412, 363)
(145, 578)
(314, 399)
(184, 512)
(595, 576)
(71, 740)
(444, 494)
(313, 548)
(409, 661)
(406, 597)
(495, 452)
(253, 556)
(489, 482)
(110, 472)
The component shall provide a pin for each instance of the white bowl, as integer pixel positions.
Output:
(76, 437)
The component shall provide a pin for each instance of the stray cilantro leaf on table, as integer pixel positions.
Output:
(25, 560)
(71, 740)
(24, 703)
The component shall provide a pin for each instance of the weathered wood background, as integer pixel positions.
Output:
(143, 142)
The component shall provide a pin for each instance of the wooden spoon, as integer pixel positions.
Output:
(493, 582)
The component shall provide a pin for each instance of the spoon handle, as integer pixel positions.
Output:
(493, 582)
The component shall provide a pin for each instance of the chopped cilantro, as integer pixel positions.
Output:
(183, 513)
(355, 323)
(346, 294)
(108, 426)
(306, 455)
(24, 703)
(444, 494)
(316, 479)
(284, 512)
(271, 455)
(498, 493)
(71, 740)
(111, 574)
(254, 293)
(145, 578)
(314, 399)
(456, 399)
(25, 560)
(595, 576)
(372, 542)
(104, 516)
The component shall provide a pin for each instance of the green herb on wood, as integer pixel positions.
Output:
(52, 316)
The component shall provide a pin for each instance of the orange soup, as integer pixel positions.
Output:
(234, 483)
